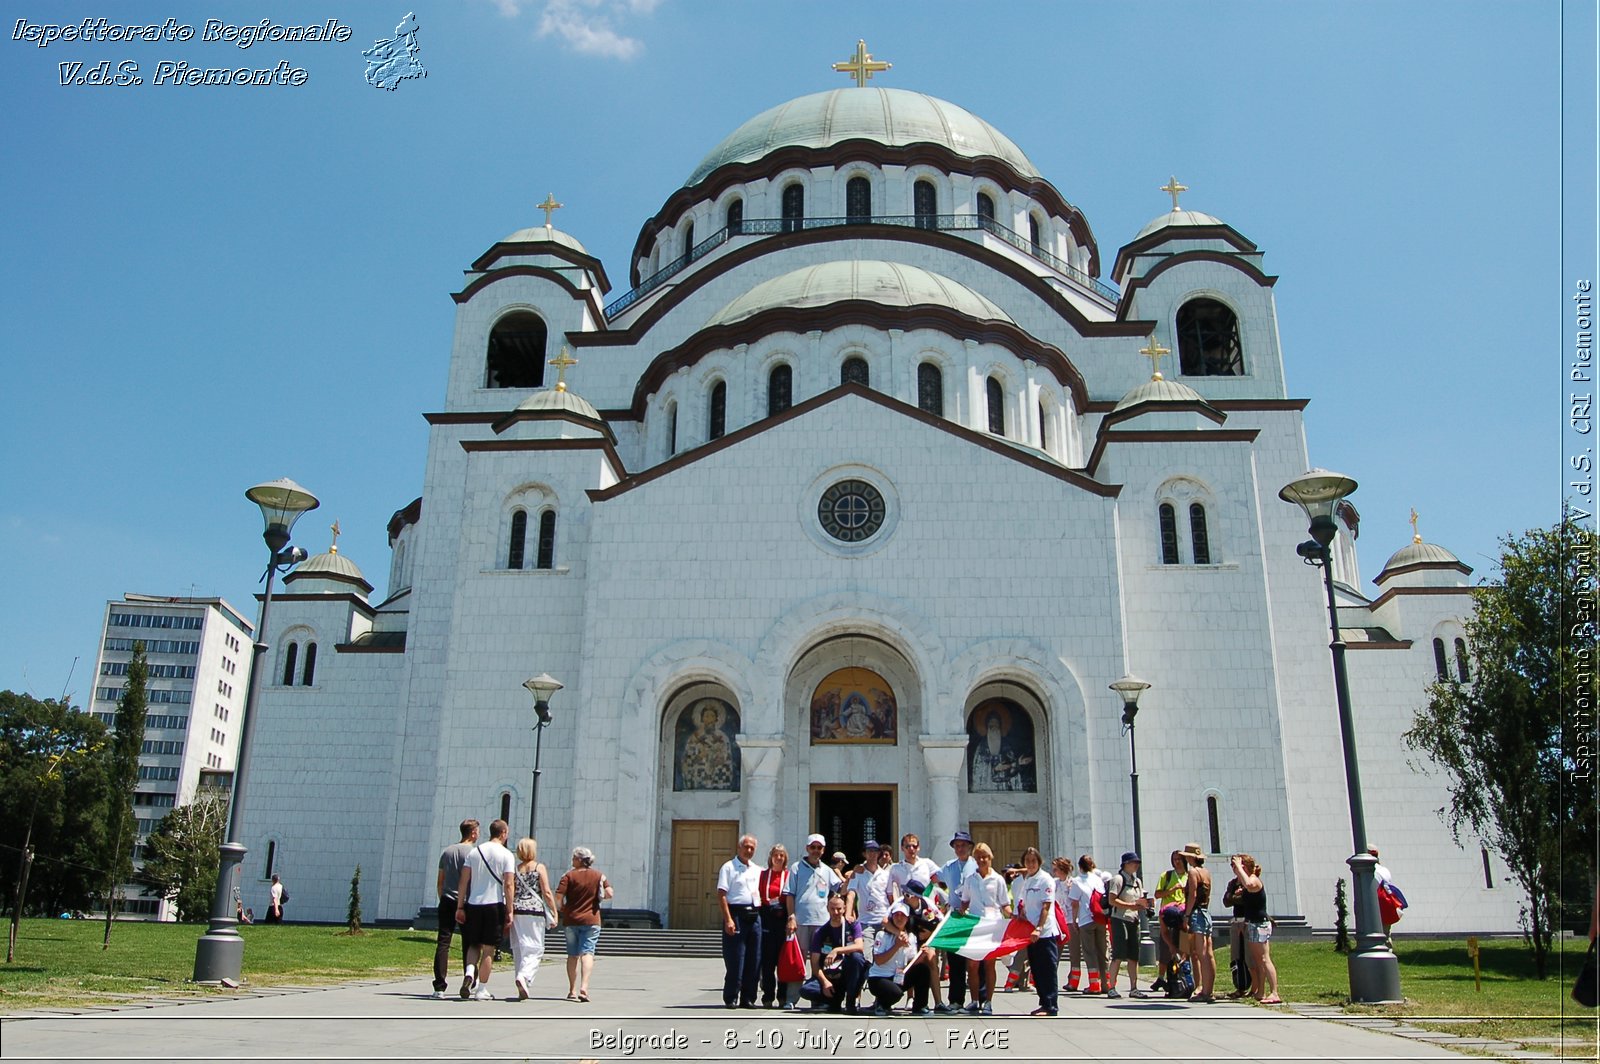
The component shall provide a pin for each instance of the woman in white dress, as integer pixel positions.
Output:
(533, 911)
(983, 893)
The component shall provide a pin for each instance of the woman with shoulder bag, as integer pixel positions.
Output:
(533, 911)
(1257, 930)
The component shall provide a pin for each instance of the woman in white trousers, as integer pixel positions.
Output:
(533, 911)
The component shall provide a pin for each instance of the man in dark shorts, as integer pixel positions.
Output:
(1127, 899)
(483, 908)
(449, 881)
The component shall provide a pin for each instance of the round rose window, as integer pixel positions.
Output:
(851, 511)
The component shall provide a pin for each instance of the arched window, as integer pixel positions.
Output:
(794, 207)
(854, 371)
(735, 217)
(985, 211)
(1043, 445)
(1439, 665)
(1200, 541)
(547, 541)
(930, 389)
(997, 407)
(309, 676)
(1488, 876)
(672, 429)
(925, 204)
(717, 416)
(1461, 661)
(1169, 534)
(505, 805)
(858, 200)
(780, 389)
(1033, 233)
(688, 240)
(289, 657)
(1214, 821)
(519, 535)
(515, 357)
(1208, 340)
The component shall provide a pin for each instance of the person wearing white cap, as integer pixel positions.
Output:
(805, 897)
(898, 964)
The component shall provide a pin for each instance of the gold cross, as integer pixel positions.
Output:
(561, 362)
(334, 528)
(549, 206)
(1416, 537)
(861, 66)
(1155, 353)
(1172, 188)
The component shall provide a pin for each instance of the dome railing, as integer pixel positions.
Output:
(771, 226)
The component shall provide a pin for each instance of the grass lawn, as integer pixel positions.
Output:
(60, 962)
(1436, 979)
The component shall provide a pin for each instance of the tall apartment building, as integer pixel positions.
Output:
(198, 650)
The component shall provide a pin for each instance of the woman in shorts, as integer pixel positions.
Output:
(580, 893)
(1257, 930)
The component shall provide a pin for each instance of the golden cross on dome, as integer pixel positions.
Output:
(549, 206)
(334, 528)
(1155, 353)
(1172, 188)
(862, 66)
(561, 362)
(1416, 537)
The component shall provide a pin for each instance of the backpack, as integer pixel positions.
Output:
(1100, 903)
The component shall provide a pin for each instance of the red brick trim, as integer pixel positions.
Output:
(482, 281)
(495, 446)
(1395, 591)
(1105, 439)
(1249, 269)
(1180, 232)
(507, 249)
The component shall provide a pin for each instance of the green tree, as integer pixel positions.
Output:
(1510, 739)
(180, 856)
(52, 805)
(126, 744)
(353, 913)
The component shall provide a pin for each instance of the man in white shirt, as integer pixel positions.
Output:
(806, 897)
(483, 908)
(737, 887)
(869, 890)
(911, 866)
(950, 877)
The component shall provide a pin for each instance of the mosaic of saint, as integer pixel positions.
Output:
(853, 705)
(706, 757)
(1000, 748)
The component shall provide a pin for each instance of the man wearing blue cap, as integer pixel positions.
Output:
(1127, 899)
(950, 877)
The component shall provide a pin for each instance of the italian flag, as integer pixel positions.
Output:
(981, 938)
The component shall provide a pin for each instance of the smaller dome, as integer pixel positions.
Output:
(560, 399)
(890, 283)
(331, 564)
(1420, 553)
(544, 234)
(1159, 390)
(1177, 218)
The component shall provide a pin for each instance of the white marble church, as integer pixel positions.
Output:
(843, 517)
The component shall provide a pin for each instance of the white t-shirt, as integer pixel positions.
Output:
(740, 882)
(893, 966)
(901, 873)
(872, 896)
(1081, 887)
(489, 863)
(1036, 894)
(984, 895)
(810, 888)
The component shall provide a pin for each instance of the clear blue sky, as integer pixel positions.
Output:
(205, 287)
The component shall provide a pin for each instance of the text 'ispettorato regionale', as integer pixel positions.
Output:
(180, 72)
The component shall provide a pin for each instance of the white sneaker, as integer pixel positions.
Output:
(482, 994)
(441, 995)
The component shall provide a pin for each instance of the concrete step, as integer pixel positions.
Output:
(648, 942)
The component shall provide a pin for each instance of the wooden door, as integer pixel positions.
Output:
(699, 848)
(1007, 838)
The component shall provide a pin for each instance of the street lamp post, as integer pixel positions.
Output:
(1130, 687)
(1374, 970)
(543, 686)
(219, 955)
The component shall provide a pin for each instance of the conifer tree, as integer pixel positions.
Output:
(126, 743)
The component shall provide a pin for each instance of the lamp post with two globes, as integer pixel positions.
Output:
(219, 955)
(1374, 970)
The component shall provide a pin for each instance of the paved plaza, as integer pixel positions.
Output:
(648, 1008)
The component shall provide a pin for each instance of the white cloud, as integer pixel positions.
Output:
(508, 8)
(589, 26)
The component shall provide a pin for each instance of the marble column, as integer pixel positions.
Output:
(943, 758)
(761, 758)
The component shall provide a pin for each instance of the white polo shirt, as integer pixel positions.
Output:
(740, 882)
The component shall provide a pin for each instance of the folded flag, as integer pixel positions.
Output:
(981, 938)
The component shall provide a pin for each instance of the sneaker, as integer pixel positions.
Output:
(441, 995)
(466, 988)
(879, 1010)
(920, 1012)
(788, 1006)
(988, 1009)
(1113, 993)
(1137, 994)
(973, 1008)
(945, 1008)
(482, 994)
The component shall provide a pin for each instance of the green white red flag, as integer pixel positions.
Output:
(981, 938)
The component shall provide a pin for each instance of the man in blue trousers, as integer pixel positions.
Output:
(741, 926)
